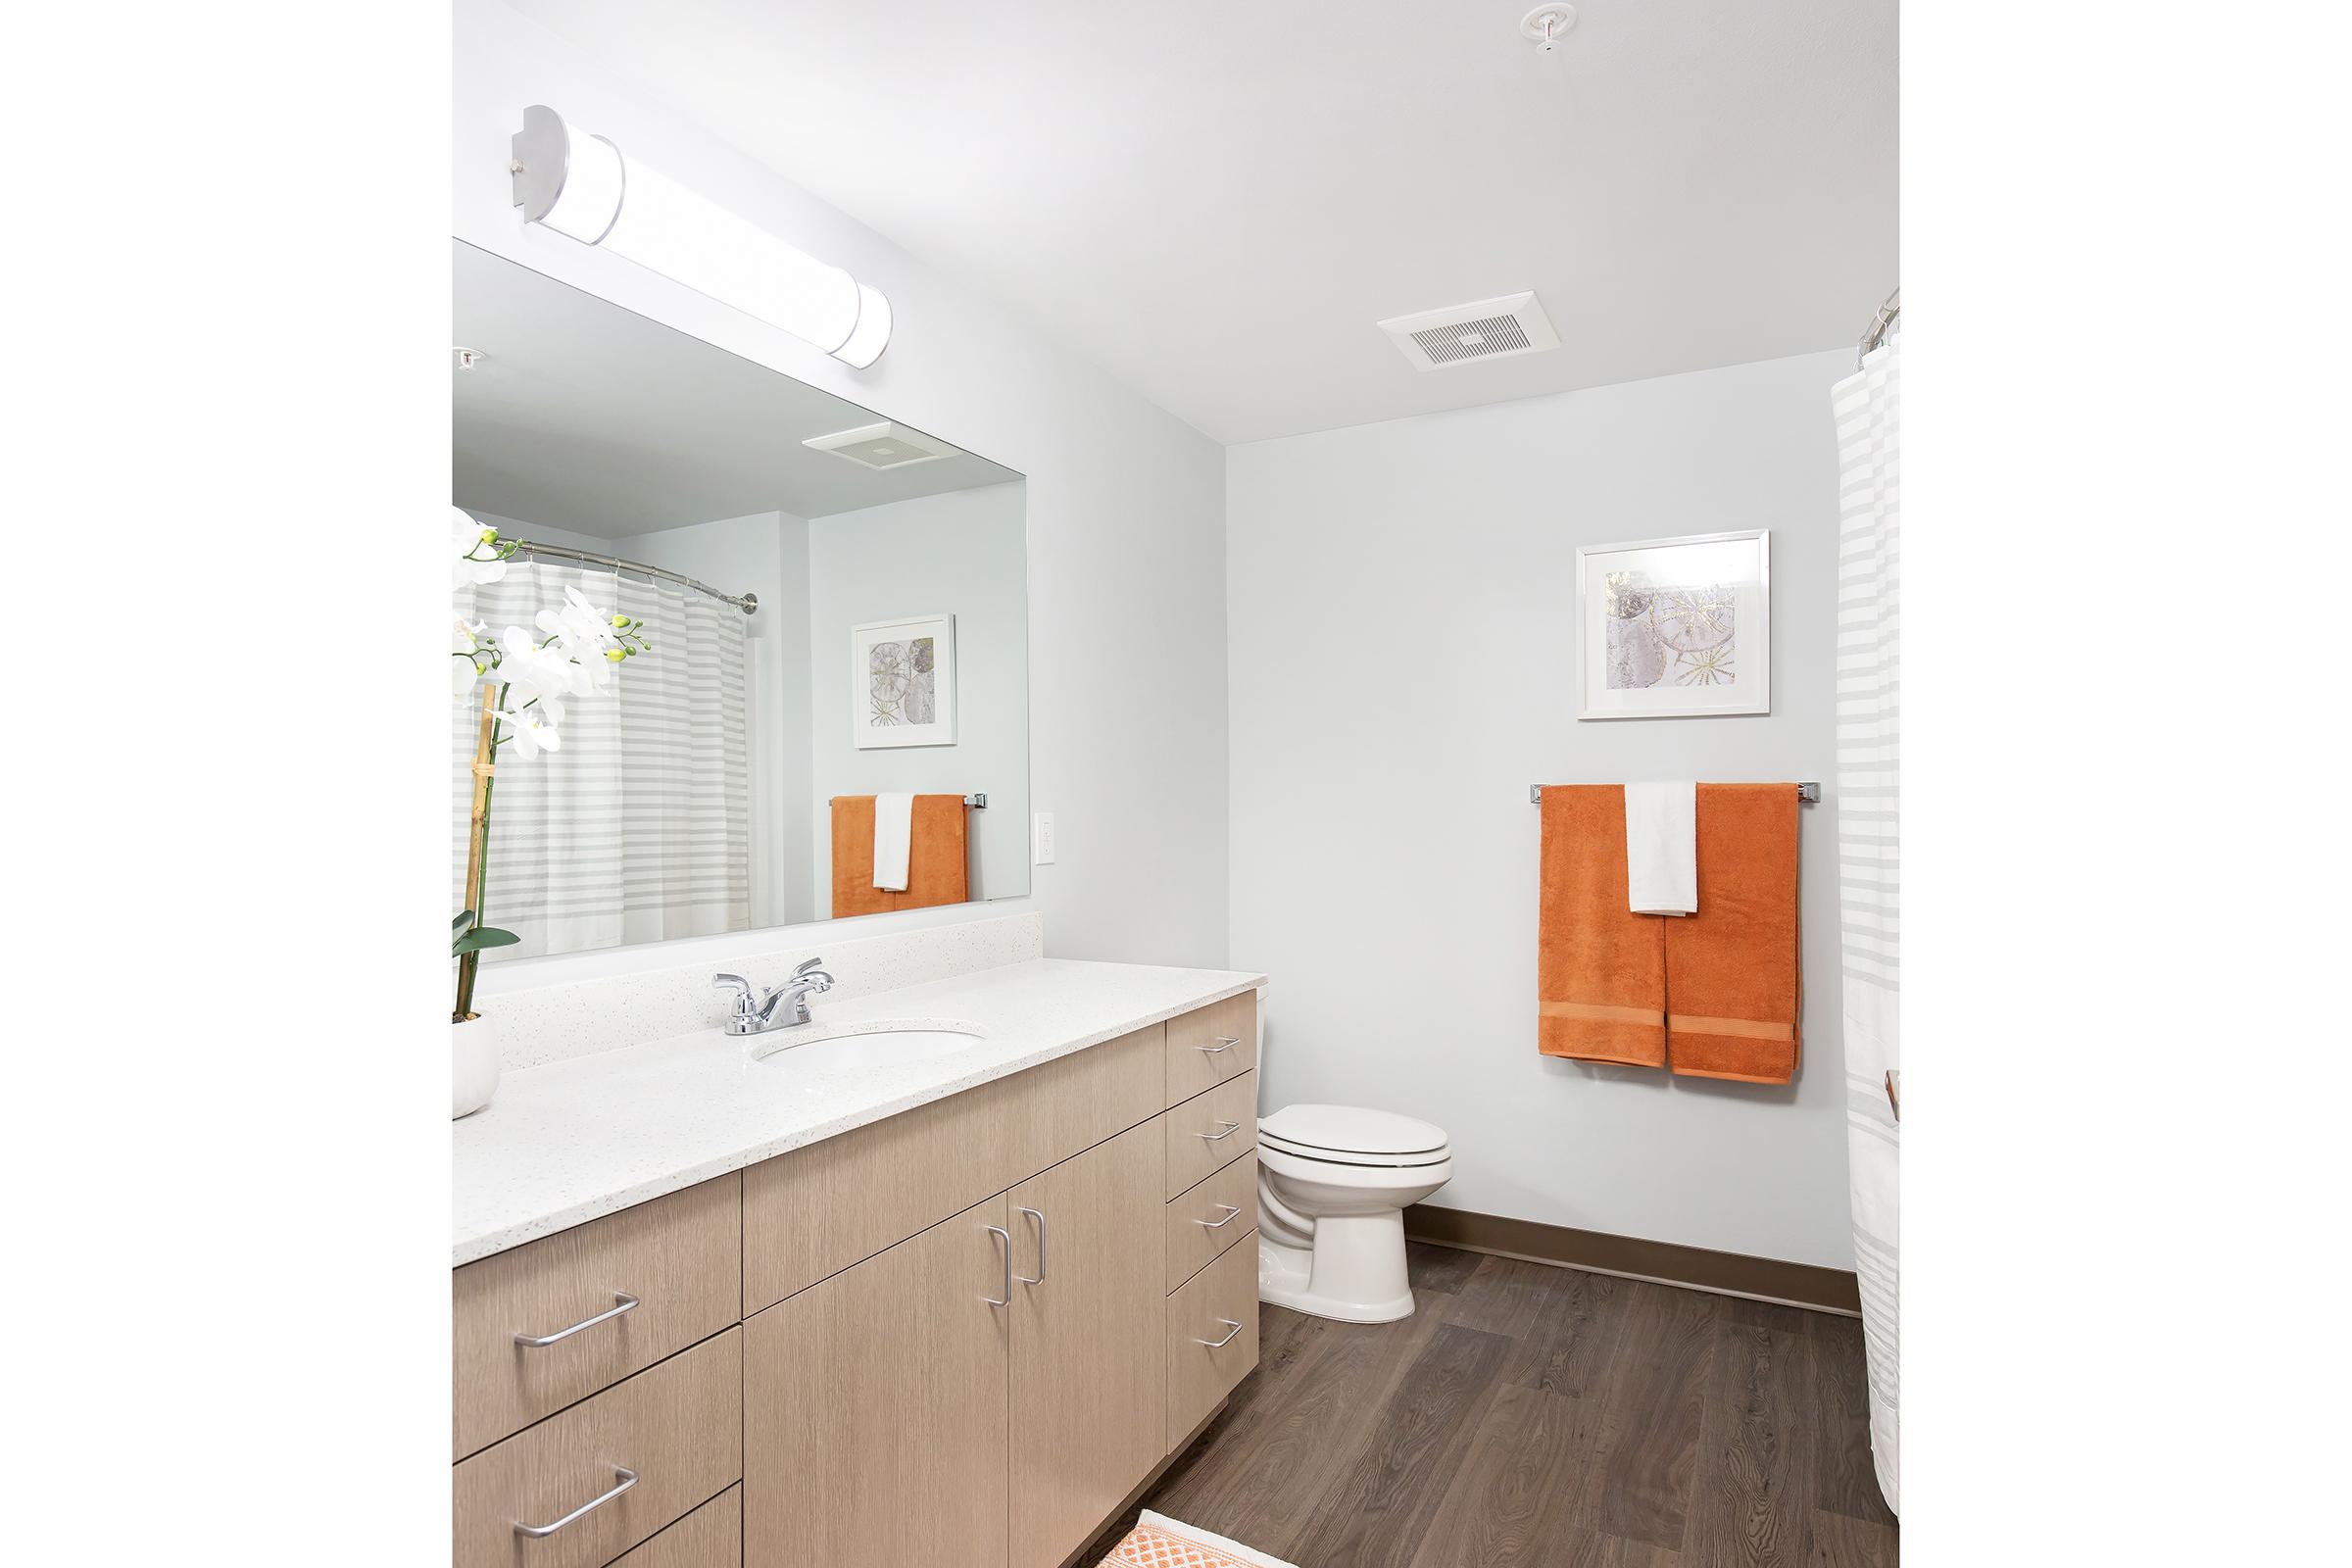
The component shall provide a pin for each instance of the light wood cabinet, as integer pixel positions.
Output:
(1203, 1222)
(1088, 1368)
(1210, 1131)
(710, 1537)
(875, 1416)
(964, 1334)
(821, 1209)
(677, 1258)
(1210, 1044)
(1211, 1336)
(676, 1427)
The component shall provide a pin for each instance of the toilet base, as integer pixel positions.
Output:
(1354, 1273)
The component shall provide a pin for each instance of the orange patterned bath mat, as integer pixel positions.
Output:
(1158, 1541)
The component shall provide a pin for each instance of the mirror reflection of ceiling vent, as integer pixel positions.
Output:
(1484, 330)
(883, 446)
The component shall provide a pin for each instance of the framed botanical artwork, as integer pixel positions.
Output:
(903, 682)
(1676, 628)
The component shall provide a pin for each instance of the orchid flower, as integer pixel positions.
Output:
(537, 669)
(533, 728)
(480, 557)
(468, 657)
(580, 627)
(590, 636)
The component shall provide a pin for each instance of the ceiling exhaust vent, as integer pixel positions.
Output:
(1484, 330)
(883, 446)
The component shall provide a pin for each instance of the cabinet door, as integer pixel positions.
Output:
(874, 1420)
(1089, 1385)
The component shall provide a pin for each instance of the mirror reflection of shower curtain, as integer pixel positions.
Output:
(1866, 407)
(638, 828)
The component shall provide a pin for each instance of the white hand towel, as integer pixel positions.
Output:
(1661, 848)
(894, 829)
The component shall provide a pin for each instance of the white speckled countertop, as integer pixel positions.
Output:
(568, 1142)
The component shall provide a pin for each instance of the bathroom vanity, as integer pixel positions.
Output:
(712, 1307)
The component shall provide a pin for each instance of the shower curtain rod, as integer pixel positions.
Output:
(1881, 325)
(746, 602)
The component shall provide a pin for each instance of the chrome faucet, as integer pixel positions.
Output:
(757, 1018)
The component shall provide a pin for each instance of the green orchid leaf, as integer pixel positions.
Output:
(464, 918)
(483, 936)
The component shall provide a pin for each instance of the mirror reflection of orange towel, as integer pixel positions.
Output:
(1600, 969)
(1732, 981)
(937, 870)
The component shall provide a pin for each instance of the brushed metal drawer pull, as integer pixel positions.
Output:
(1041, 1251)
(628, 1479)
(1231, 1128)
(1004, 1240)
(1230, 1329)
(1224, 1044)
(627, 1304)
(1232, 1212)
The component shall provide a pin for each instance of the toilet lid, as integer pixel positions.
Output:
(1350, 1130)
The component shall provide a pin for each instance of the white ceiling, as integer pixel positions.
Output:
(1216, 198)
(586, 416)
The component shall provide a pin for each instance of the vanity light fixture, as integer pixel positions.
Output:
(578, 185)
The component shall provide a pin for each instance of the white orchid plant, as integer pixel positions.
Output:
(523, 678)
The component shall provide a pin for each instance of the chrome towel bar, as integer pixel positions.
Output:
(1809, 794)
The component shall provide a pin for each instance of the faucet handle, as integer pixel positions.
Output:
(813, 963)
(743, 992)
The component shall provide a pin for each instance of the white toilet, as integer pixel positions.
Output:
(1333, 1182)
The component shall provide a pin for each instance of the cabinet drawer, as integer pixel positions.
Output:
(677, 1426)
(817, 1210)
(1210, 1131)
(678, 1257)
(1210, 1218)
(1210, 1044)
(710, 1537)
(1201, 1372)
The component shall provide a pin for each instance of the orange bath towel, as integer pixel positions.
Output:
(1600, 969)
(935, 870)
(1732, 978)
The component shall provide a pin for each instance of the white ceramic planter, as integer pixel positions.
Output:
(472, 1068)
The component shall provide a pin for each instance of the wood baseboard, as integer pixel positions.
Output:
(1763, 1279)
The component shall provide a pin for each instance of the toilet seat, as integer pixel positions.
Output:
(1333, 1185)
(1351, 1135)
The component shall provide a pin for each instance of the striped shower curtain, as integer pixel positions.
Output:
(1866, 408)
(639, 827)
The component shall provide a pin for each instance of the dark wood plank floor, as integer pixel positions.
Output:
(1544, 1417)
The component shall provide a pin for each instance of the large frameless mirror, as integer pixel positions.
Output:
(730, 651)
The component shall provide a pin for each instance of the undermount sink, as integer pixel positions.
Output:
(885, 1046)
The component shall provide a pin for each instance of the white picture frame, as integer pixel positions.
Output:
(903, 682)
(1675, 628)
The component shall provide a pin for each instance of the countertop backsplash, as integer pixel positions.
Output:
(543, 1024)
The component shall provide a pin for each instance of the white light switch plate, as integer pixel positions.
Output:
(1045, 838)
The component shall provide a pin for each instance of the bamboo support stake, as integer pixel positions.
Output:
(477, 845)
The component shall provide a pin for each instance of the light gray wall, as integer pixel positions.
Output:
(1403, 667)
(960, 553)
(1126, 503)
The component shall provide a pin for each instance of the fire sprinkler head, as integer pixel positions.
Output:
(1545, 26)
